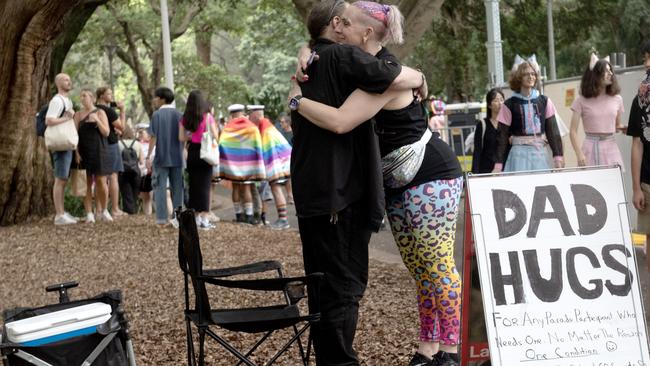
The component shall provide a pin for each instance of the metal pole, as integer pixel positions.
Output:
(551, 39)
(167, 47)
(110, 67)
(493, 45)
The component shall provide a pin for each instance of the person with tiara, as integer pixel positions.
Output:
(527, 124)
(600, 108)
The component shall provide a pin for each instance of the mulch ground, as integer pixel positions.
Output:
(133, 255)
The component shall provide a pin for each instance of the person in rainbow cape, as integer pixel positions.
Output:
(277, 158)
(241, 160)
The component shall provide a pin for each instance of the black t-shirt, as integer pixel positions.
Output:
(329, 171)
(639, 126)
(485, 147)
(112, 117)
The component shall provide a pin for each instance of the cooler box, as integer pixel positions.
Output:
(58, 325)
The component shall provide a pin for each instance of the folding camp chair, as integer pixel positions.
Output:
(84, 332)
(264, 320)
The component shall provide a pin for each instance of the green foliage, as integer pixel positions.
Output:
(73, 205)
(254, 43)
(218, 86)
(268, 51)
(452, 53)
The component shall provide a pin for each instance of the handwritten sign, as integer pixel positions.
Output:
(557, 268)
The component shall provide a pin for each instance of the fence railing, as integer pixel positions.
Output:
(456, 137)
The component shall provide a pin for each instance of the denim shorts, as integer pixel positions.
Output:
(61, 163)
(116, 158)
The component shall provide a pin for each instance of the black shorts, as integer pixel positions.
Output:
(145, 183)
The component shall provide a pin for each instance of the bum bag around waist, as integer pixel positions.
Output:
(400, 166)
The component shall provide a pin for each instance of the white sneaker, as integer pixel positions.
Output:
(213, 218)
(70, 217)
(106, 216)
(63, 220)
(90, 218)
(205, 224)
(174, 223)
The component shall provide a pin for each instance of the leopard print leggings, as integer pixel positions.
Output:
(423, 222)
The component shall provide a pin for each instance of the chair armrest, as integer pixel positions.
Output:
(245, 269)
(264, 284)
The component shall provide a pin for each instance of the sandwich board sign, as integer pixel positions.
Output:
(557, 268)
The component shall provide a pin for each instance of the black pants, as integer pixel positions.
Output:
(129, 190)
(338, 247)
(200, 179)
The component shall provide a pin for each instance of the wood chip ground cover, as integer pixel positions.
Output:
(133, 255)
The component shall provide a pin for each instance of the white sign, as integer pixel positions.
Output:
(557, 268)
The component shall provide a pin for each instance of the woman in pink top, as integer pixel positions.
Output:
(600, 107)
(192, 126)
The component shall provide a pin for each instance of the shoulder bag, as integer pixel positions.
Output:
(209, 146)
(62, 137)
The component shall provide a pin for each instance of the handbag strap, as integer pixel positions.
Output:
(89, 113)
(63, 100)
(208, 119)
(130, 146)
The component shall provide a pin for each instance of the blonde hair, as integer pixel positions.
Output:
(386, 21)
(89, 91)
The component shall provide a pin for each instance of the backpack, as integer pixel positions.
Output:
(130, 158)
(40, 119)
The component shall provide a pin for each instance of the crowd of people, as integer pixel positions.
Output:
(126, 170)
(516, 132)
(345, 171)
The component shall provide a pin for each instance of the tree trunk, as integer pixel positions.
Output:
(418, 18)
(203, 48)
(32, 28)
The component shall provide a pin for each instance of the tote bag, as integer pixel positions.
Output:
(209, 148)
(78, 181)
(61, 137)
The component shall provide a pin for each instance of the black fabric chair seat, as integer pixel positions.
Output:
(260, 320)
(254, 320)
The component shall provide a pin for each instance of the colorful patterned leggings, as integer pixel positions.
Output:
(423, 221)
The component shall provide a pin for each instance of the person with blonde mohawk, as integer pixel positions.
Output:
(336, 180)
(422, 180)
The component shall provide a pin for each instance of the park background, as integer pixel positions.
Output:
(244, 51)
(236, 52)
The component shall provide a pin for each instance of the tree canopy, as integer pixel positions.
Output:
(244, 51)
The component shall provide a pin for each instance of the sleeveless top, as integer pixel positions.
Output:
(93, 148)
(400, 127)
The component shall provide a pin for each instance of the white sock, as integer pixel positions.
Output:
(238, 208)
(248, 208)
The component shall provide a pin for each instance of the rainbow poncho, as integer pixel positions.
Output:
(276, 151)
(240, 150)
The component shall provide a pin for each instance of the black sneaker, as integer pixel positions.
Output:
(444, 359)
(252, 220)
(263, 219)
(240, 217)
(420, 360)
